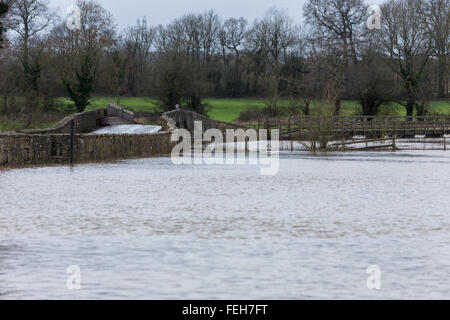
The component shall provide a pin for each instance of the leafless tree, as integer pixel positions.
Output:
(272, 37)
(337, 27)
(79, 52)
(138, 41)
(437, 16)
(28, 19)
(405, 39)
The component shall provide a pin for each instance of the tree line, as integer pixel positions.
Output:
(331, 57)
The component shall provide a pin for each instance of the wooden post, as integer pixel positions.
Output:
(415, 127)
(300, 127)
(434, 126)
(72, 140)
(394, 148)
(364, 127)
(246, 146)
(445, 122)
(353, 127)
(445, 144)
(385, 130)
(290, 134)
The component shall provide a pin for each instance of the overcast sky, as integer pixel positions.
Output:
(126, 12)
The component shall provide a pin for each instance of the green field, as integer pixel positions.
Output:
(140, 104)
(20, 126)
(229, 109)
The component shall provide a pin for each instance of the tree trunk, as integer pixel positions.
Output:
(337, 107)
(410, 107)
(441, 77)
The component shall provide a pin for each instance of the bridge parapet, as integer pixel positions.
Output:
(184, 119)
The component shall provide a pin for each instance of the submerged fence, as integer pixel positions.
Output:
(302, 127)
(360, 132)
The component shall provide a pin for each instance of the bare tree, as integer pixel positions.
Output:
(271, 39)
(405, 40)
(337, 26)
(180, 73)
(79, 52)
(138, 43)
(4, 8)
(437, 15)
(337, 21)
(28, 19)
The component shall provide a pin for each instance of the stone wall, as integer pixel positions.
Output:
(53, 145)
(85, 122)
(116, 111)
(29, 149)
(88, 121)
(184, 119)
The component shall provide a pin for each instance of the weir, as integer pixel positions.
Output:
(112, 133)
(103, 134)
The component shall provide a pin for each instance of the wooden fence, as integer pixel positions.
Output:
(338, 127)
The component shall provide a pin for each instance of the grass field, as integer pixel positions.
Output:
(20, 126)
(228, 110)
(140, 104)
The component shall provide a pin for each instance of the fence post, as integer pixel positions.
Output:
(290, 134)
(300, 125)
(445, 144)
(364, 127)
(445, 122)
(72, 139)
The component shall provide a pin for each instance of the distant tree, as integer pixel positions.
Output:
(28, 19)
(406, 41)
(371, 81)
(231, 41)
(4, 7)
(116, 70)
(138, 41)
(181, 67)
(336, 25)
(79, 52)
(271, 40)
(437, 15)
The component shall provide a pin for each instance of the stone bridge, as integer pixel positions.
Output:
(56, 145)
(184, 119)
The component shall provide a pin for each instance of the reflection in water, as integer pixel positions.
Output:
(149, 229)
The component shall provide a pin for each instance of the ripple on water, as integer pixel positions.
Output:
(149, 229)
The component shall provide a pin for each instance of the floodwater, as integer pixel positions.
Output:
(149, 229)
(128, 129)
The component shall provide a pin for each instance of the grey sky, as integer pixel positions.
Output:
(126, 12)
